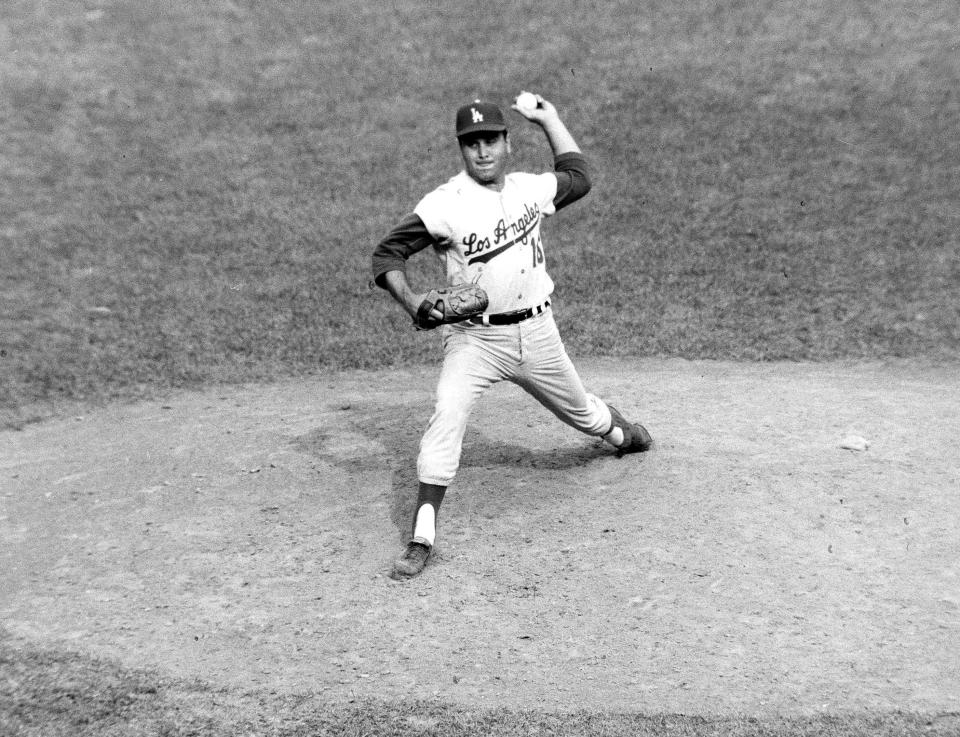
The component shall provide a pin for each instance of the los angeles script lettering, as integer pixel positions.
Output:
(504, 230)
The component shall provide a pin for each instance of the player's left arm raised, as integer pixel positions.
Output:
(546, 116)
(572, 172)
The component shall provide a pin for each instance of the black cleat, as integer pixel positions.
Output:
(636, 439)
(413, 560)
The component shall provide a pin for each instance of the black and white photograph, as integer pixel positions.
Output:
(421, 369)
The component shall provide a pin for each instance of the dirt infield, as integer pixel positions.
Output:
(747, 564)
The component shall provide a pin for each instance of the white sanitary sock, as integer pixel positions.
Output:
(426, 524)
(614, 437)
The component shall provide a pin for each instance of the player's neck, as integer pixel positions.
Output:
(495, 185)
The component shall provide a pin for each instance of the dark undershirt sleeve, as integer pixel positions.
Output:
(573, 178)
(406, 238)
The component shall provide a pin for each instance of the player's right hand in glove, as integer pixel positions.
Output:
(427, 315)
(450, 304)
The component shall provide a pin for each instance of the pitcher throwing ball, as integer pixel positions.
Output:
(484, 224)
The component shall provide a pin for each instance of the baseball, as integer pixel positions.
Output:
(527, 100)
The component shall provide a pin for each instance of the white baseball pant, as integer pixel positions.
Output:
(530, 354)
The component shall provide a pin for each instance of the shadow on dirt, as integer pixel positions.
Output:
(378, 440)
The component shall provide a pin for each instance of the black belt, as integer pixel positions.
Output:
(509, 318)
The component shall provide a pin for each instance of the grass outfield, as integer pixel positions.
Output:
(49, 695)
(191, 190)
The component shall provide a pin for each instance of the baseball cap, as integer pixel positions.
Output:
(480, 116)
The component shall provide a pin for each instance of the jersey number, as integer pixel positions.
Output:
(537, 251)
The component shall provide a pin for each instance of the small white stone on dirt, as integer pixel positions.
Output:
(854, 442)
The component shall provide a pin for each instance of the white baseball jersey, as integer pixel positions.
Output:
(494, 237)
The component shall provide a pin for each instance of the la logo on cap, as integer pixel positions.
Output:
(478, 116)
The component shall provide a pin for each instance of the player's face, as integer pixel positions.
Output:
(485, 156)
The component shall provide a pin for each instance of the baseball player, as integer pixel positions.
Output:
(484, 225)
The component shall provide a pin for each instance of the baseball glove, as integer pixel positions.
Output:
(457, 303)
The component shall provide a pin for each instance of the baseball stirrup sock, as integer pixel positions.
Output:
(429, 498)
